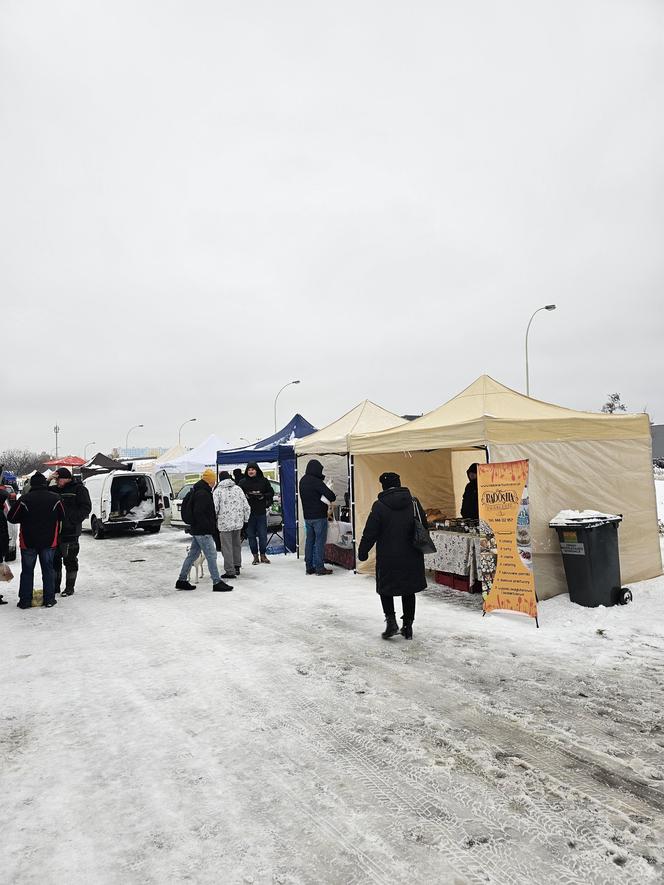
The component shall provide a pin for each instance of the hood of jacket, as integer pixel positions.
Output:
(314, 468)
(253, 464)
(227, 484)
(396, 499)
(201, 485)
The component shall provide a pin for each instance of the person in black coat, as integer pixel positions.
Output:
(312, 492)
(203, 529)
(260, 495)
(470, 508)
(399, 565)
(76, 501)
(40, 514)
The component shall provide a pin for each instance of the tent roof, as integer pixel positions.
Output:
(69, 461)
(201, 456)
(173, 452)
(272, 448)
(487, 412)
(366, 417)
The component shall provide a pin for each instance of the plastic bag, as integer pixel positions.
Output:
(6, 574)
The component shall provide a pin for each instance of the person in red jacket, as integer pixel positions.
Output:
(40, 514)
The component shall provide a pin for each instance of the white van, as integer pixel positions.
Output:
(124, 499)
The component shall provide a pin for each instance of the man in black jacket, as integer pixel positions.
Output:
(40, 514)
(312, 492)
(470, 507)
(76, 501)
(203, 527)
(260, 495)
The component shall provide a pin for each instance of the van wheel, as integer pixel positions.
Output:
(152, 530)
(97, 532)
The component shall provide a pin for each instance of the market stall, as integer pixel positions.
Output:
(330, 446)
(578, 460)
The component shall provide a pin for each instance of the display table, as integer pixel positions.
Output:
(458, 557)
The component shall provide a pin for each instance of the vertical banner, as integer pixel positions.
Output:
(506, 557)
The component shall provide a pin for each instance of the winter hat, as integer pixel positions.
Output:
(64, 473)
(254, 465)
(390, 481)
(224, 475)
(38, 480)
(209, 476)
(471, 469)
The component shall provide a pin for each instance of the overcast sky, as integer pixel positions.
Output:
(200, 201)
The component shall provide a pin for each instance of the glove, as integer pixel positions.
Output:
(363, 557)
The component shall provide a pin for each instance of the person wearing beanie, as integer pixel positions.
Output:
(315, 497)
(40, 515)
(470, 506)
(77, 505)
(260, 495)
(399, 565)
(232, 510)
(203, 528)
(237, 476)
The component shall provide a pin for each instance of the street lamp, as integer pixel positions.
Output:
(85, 449)
(127, 437)
(188, 421)
(275, 401)
(546, 307)
(56, 431)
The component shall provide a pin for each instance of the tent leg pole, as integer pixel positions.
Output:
(297, 512)
(351, 476)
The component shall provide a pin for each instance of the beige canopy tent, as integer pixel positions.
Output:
(330, 447)
(578, 461)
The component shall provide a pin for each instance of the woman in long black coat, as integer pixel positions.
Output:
(399, 565)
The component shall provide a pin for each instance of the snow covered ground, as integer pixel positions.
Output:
(269, 735)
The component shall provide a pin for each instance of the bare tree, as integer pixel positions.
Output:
(22, 461)
(613, 404)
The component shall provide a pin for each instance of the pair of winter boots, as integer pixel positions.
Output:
(322, 571)
(219, 587)
(262, 559)
(392, 628)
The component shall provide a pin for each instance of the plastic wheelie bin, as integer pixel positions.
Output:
(589, 547)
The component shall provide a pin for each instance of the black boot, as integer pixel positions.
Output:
(407, 629)
(391, 629)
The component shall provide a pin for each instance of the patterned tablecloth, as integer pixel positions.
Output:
(456, 552)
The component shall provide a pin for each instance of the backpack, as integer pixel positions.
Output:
(187, 509)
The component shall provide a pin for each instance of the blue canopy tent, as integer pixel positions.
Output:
(277, 448)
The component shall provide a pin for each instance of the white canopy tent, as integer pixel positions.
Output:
(330, 446)
(578, 460)
(197, 459)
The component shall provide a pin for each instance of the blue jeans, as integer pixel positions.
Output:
(28, 561)
(314, 546)
(201, 544)
(257, 529)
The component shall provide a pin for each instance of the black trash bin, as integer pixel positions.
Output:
(589, 547)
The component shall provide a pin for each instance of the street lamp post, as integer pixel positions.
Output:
(188, 421)
(277, 397)
(546, 307)
(56, 431)
(127, 437)
(85, 449)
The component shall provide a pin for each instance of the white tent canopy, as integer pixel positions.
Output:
(578, 460)
(201, 456)
(173, 452)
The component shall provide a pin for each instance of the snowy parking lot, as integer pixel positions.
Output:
(269, 735)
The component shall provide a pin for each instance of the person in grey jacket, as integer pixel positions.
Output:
(233, 511)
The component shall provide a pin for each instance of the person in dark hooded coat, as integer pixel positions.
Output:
(312, 492)
(260, 495)
(470, 508)
(399, 565)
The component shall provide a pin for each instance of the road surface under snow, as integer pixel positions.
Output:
(269, 735)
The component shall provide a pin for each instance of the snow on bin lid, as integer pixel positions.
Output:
(583, 516)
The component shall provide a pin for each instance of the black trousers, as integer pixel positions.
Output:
(407, 603)
(66, 552)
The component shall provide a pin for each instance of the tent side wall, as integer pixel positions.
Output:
(612, 476)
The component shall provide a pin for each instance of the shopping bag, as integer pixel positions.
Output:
(333, 532)
(6, 574)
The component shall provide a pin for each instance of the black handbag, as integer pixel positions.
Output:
(421, 537)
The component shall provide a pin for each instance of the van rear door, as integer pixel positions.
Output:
(165, 489)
